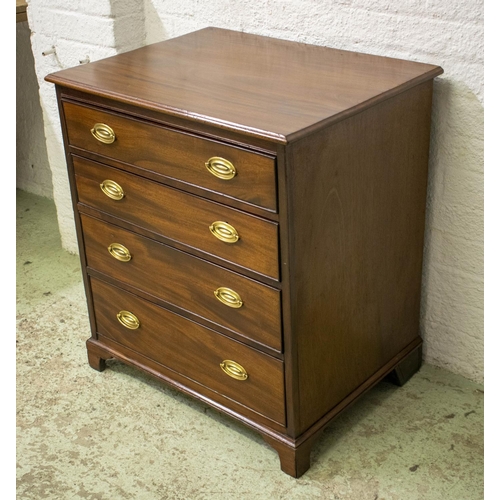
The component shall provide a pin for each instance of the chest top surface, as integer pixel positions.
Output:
(261, 86)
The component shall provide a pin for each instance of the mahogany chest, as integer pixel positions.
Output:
(250, 215)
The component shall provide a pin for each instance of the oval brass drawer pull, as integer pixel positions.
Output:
(128, 320)
(224, 232)
(112, 189)
(119, 252)
(103, 133)
(234, 370)
(228, 297)
(221, 168)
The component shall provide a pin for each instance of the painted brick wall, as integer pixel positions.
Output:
(444, 32)
(78, 30)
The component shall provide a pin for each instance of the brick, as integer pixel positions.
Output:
(408, 7)
(454, 287)
(74, 26)
(456, 252)
(182, 8)
(129, 32)
(453, 351)
(467, 10)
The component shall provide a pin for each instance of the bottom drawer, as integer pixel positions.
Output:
(234, 370)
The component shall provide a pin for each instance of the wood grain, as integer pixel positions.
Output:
(181, 217)
(210, 131)
(192, 350)
(257, 85)
(357, 246)
(185, 281)
(330, 207)
(175, 155)
(107, 348)
(295, 460)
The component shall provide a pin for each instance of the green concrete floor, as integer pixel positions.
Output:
(120, 435)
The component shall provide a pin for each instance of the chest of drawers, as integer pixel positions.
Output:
(250, 216)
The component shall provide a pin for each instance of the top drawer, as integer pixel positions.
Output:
(243, 175)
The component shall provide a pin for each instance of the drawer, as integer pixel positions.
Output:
(180, 216)
(191, 350)
(177, 155)
(185, 281)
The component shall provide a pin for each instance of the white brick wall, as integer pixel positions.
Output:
(90, 28)
(444, 32)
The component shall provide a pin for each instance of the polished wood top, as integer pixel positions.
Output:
(260, 86)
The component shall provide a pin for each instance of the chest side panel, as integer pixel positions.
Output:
(357, 195)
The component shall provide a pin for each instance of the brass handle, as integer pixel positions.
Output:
(119, 252)
(234, 370)
(221, 168)
(228, 297)
(103, 133)
(128, 320)
(224, 232)
(112, 189)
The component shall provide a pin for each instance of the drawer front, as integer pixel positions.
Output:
(177, 155)
(191, 350)
(180, 216)
(185, 281)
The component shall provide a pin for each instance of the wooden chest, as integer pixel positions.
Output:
(250, 216)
